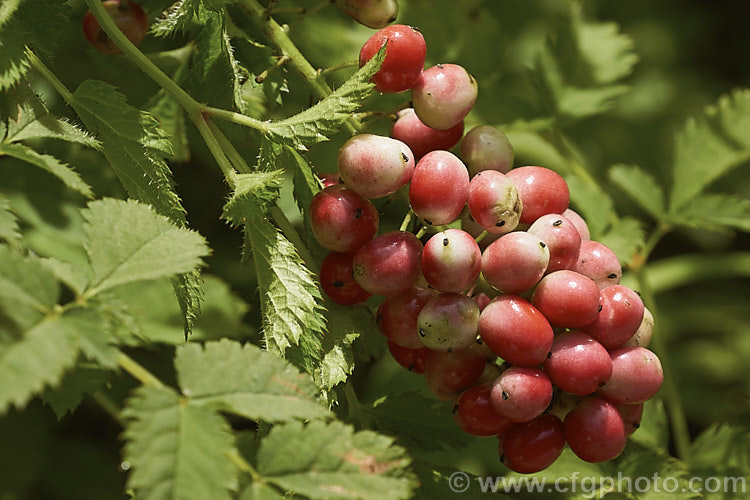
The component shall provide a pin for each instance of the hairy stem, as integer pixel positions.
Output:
(48, 75)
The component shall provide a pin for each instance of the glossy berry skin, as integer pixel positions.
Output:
(451, 261)
(448, 321)
(337, 281)
(330, 179)
(405, 51)
(494, 202)
(397, 317)
(342, 220)
(521, 394)
(516, 331)
(542, 192)
(578, 222)
(388, 264)
(595, 430)
(561, 237)
(482, 299)
(439, 188)
(444, 95)
(128, 16)
(619, 319)
(578, 364)
(631, 417)
(447, 374)
(515, 262)
(636, 377)
(599, 263)
(642, 336)
(567, 299)
(411, 359)
(422, 139)
(486, 148)
(474, 414)
(375, 166)
(371, 13)
(532, 446)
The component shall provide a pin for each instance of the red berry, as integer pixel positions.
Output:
(375, 166)
(337, 281)
(474, 414)
(486, 148)
(542, 192)
(567, 299)
(631, 417)
(578, 364)
(448, 321)
(533, 446)
(405, 51)
(561, 237)
(621, 315)
(521, 394)
(397, 317)
(494, 202)
(449, 373)
(516, 331)
(439, 172)
(422, 139)
(636, 377)
(599, 263)
(595, 430)
(411, 359)
(578, 222)
(444, 95)
(388, 264)
(515, 262)
(451, 261)
(482, 299)
(128, 16)
(342, 220)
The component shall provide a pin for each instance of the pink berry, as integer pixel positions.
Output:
(636, 377)
(337, 281)
(397, 317)
(330, 179)
(411, 359)
(578, 222)
(521, 394)
(599, 263)
(561, 237)
(516, 331)
(578, 364)
(482, 300)
(439, 188)
(515, 262)
(447, 374)
(474, 414)
(342, 220)
(375, 166)
(486, 148)
(388, 264)
(631, 417)
(405, 51)
(371, 13)
(595, 430)
(542, 192)
(619, 319)
(494, 202)
(451, 261)
(448, 321)
(444, 95)
(567, 299)
(532, 446)
(422, 139)
(642, 336)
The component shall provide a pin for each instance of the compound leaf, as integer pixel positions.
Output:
(177, 450)
(210, 78)
(27, 289)
(641, 187)
(247, 381)
(128, 241)
(717, 212)
(82, 379)
(625, 238)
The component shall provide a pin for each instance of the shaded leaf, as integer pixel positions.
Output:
(13, 61)
(625, 238)
(594, 205)
(179, 18)
(210, 78)
(641, 187)
(8, 223)
(27, 289)
(717, 212)
(82, 379)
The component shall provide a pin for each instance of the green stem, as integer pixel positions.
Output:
(422, 231)
(310, 12)
(344, 65)
(137, 370)
(229, 150)
(109, 406)
(237, 118)
(192, 106)
(243, 465)
(59, 86)
(407, 220)
(481, 236)
(204, 128)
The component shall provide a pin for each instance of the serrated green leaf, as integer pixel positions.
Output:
(94, 335)
(82, 379)
(49, 163)
(13, 61)
(329, 460)
(434, 482)
(261, 491)
(641, 187)
(36, 360)
(318, 122)
(7, 8)
(306, 185)
(338, 360)
(638, 461)
(74, 277)
(415, 419)
(653, 431)
(171, 116)
(179, 18)
(211, 76)
(721, 445)
(252, 193)
(709, 146)
(625, 238)
(219, 375)
(577, 102)
(594, 205)
(177, 450)
(27, 289)
(354, 320)
(608, 53)
(189, 290)
(128, 241)
(8, 223)
(716, 212)
(42, 22)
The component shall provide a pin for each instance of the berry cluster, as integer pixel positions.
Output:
(518, 317)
